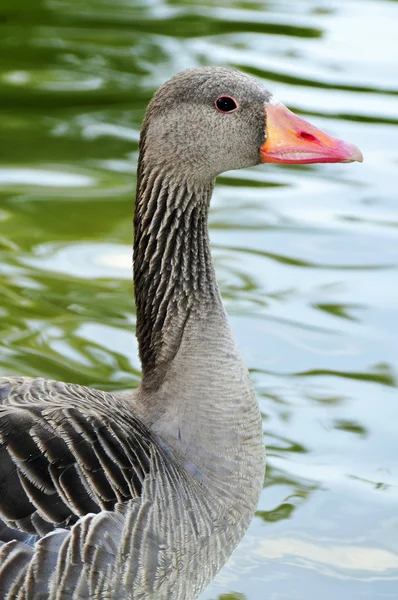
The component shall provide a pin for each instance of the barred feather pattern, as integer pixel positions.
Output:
(173, 269)
(116, 516)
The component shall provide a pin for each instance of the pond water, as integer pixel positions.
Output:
(306, 256)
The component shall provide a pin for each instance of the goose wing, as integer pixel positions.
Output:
(81, 473)
(111, 508)
(66, 451)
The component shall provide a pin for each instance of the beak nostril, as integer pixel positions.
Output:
(307, 136)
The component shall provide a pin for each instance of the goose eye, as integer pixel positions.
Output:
(226, 104)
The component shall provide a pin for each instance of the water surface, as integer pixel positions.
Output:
(306, 256)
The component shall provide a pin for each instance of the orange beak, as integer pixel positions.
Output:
(292, 140)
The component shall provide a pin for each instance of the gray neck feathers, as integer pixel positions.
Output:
(173, 269)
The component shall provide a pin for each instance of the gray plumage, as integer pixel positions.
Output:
(144, 495)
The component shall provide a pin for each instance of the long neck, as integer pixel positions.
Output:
(173, 270)
(196, 393)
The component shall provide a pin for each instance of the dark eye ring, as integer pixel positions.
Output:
(226, 104)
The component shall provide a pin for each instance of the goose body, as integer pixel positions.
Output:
(144, 495)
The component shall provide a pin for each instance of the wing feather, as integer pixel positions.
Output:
(79, 471)
(65, 452)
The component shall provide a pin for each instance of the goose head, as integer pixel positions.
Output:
(208, 120)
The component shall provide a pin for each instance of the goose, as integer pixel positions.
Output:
(144, 495)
